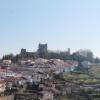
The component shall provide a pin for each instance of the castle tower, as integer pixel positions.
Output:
(42, 50)
(69, 51)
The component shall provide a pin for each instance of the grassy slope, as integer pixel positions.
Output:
(80, 78)
(95, 70)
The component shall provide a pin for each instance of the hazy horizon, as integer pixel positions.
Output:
(61, 24)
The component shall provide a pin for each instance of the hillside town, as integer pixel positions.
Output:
(46, 75)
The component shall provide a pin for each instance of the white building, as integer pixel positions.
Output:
(8, 73)
(47, 95)
(8, 62)
(86, 64)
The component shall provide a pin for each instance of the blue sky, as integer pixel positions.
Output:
(60, 23)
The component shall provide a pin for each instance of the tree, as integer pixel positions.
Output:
(88, 54)
(78, 57)
(97, 60)
(8, 57)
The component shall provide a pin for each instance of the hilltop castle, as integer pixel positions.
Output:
(42, 52)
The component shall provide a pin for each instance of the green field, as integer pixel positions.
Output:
(77, 77)
(95, 70)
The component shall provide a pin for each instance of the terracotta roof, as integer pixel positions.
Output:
(2, 81)
(10, 79)
(67, 65)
